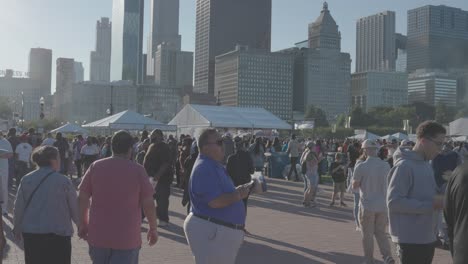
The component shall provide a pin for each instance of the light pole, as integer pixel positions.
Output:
(42, 102)
(22, 110)
(110, 110)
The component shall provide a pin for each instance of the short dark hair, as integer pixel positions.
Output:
(430, 129)
(204, 137)
(121, 142)
(293, 136)
(43, 155)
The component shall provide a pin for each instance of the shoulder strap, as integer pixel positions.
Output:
(35, 190)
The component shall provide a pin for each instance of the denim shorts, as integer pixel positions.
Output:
(113, 256)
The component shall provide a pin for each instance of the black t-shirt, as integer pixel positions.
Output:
(158, 154)
(456, 214)
(353, 155)
(339, 175)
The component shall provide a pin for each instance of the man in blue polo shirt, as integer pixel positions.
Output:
(214, 228)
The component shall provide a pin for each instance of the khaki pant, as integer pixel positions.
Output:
(212, 243)
(375, 224)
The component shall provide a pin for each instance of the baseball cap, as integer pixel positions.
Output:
(368, 143)
(405, 142)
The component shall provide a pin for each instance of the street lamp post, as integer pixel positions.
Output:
(110, 110)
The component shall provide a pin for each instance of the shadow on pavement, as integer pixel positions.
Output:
(261, 253)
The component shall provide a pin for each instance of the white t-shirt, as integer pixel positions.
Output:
(48, 142)
(90, 150)
(24, 151)
(4, 145)
(372, 174)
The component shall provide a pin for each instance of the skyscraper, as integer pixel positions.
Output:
(437, 38)
(327, 71)
(101, 56)
(401, 52)
(127, 40)
(375, 42)
(164, 28)
(65, 76)
(173, 68)
(79, 71)
(256, 78)
(40, 68)
(220, 26)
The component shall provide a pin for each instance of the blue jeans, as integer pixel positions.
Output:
(113, 256)
(357, 196)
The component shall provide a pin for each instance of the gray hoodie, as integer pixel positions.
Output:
(411, 190)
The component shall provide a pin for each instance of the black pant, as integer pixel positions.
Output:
(21, 170)
(293, 167)
(79, 168)
(416, 253)
(47, 248)
(162, 193)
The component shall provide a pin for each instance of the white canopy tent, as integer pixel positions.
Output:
(129, 120)
(194, 117)
(70, 129)
(364, 136)
(400, 136)
(459, 127)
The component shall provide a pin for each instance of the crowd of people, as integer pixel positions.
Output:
(396, 185)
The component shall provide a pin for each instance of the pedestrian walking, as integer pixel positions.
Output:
(370, 177)
(23, 157)
(412, 198)
(214, 228)
(4, 170)
(89, 152)
(309, 161)
(119, 188)
(293, 151)
(337, 169)
(455, 210)
(158, 164)
(45, 206)
(62, 145)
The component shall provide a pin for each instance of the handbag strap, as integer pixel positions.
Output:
(35, 190)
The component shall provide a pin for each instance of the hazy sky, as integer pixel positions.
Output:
(68, 26)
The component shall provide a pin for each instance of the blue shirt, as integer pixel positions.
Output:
(209, 180)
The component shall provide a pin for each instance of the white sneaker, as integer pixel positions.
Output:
(358, 229)
(163, 224)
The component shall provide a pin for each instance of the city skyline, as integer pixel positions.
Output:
(289, 25)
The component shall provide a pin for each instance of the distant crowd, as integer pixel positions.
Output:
(123, 179)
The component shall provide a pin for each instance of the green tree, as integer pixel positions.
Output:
(462, 113)
(361, 119)
(5, 108)
(318, 115)
(341, 120)
(444, 114)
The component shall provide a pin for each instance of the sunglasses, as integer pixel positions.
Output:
(218, 142)
(439, 144)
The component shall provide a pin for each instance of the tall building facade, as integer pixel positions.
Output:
(432, 87)
(401, 52)
(172, 67)
(23, 95)
(40, 69)
(255, 78)
(79, 71)
(101, 56)
(127, 40)
(326, 70)
(164, 28)
(220, 26)
(437, 38)
(375, 42)
(160, 102)
(65, 74)
(372, 89)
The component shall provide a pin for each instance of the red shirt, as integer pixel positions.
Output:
(117, 187)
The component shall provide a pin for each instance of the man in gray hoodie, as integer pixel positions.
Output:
(412, 198)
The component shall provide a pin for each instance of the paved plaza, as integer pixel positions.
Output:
(283, 231)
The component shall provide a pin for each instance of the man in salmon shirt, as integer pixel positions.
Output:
(118, 188)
